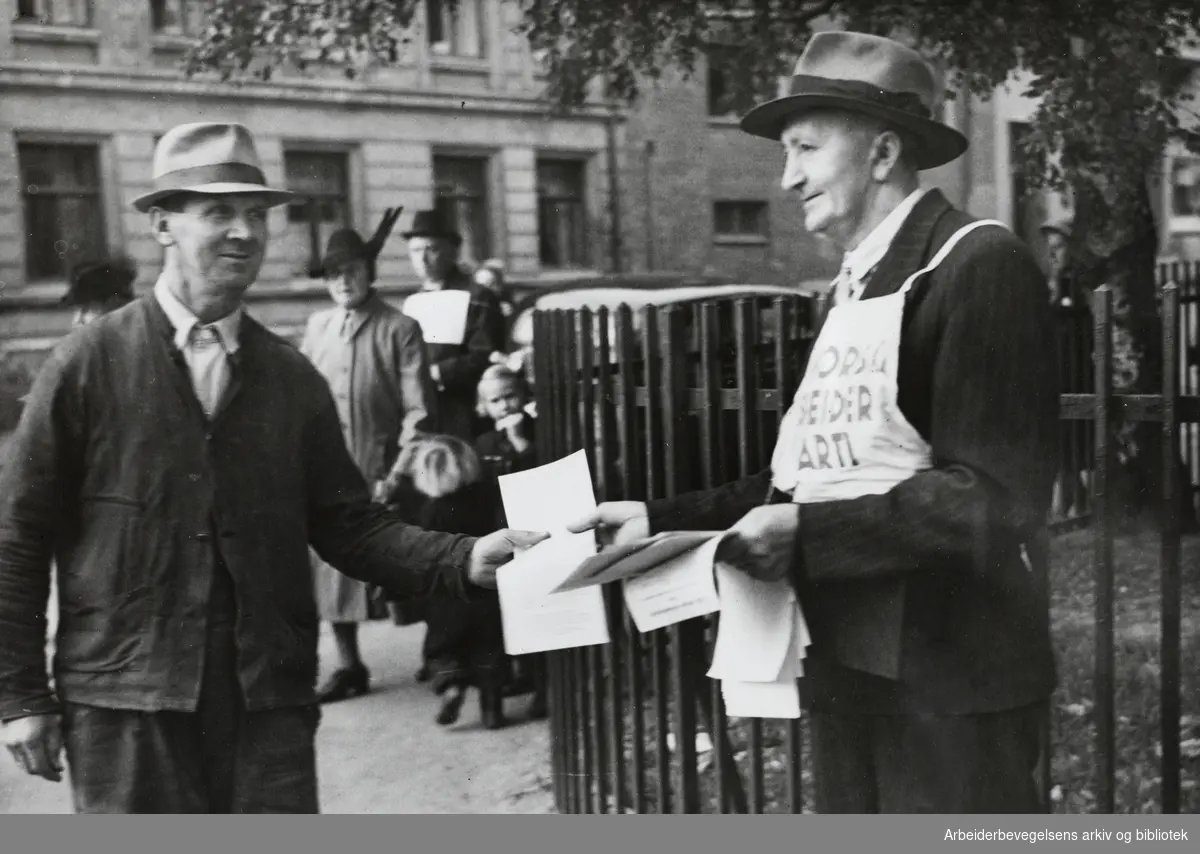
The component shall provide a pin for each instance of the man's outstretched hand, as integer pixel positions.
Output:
(36, 745)
(496, 549)
(615, 522)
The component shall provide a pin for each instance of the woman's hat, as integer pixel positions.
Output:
(864, 74)
(99, 280)
(346, 245)
(208, 157)
(432, 224)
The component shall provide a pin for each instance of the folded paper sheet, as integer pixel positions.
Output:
(779, 698)
(441, 314)
(630, 560)
(534, 618)
(754, 636)
(678, 589)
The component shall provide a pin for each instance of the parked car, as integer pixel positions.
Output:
(617, 291)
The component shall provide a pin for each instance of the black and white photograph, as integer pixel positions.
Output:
(460, 407)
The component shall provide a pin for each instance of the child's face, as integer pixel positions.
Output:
(501, 398)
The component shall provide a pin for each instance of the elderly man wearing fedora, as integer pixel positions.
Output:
(176, 460)
(373, 357)
(433, 248)
(903, 520)
(99, 286)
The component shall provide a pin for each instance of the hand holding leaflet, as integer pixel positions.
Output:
(534, 618)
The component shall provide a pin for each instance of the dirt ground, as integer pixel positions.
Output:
(383, 753)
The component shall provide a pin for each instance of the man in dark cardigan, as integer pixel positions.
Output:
(176, 460)
(934, 702)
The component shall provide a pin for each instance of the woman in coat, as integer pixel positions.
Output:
(373, 357)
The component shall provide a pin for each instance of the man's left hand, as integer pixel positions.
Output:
(496, 549)
(765, 543)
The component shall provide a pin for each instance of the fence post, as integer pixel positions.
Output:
(1102, 536)
(1171, 581)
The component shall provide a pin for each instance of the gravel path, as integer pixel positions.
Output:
(383, 753)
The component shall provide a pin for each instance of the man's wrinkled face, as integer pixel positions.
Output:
(220, 241)
(827, 161)
(433, 258)
(349, 284)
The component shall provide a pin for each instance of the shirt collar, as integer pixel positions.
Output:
(862, 259)
(183, 320)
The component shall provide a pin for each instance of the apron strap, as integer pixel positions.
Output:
(945, 250)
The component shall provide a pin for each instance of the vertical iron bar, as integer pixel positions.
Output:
(631, 485)
(1171, 581)
(654, 440)
(674, 402)
(747, 416)
(1103, 544)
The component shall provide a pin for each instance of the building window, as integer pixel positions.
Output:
(730, 88)
(322, 179)
(740, 221)
(460, 193)
(1184, 188)
(562, 214)
(64, 212)
(456, 28)
(57, 13)
(177, 17)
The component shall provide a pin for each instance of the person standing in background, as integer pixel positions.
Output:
(99, 286)
(433, 248)
(373, 358)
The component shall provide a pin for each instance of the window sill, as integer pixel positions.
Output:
(171, 42)
(23, 31)
(740, 240)
(449, 62)
(1183, 224)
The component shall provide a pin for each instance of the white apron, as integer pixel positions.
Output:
(844, 437)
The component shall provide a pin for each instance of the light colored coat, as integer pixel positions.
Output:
(379, 375)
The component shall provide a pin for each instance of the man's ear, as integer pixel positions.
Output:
(886, 154)
(160, 226)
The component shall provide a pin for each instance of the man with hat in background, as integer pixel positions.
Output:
(433, 248)
(99, 286)
(177, 460)
(373, 357)
(905, 530)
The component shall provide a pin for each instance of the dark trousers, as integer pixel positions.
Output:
(218, 759)
(464, 643)
(927, 763)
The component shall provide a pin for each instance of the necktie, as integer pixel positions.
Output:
(207, 363)
(845, 286)
(347, 325)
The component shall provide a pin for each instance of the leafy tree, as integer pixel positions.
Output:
(1108, 75)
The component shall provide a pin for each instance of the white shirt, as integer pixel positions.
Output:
(208, 363)
(859, 262)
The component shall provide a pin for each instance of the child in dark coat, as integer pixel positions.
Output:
(464, 643)
(504, 398)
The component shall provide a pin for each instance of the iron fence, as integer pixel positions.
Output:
(667, 400)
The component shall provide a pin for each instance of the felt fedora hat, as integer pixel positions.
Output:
(208, 157)
(864, 74)
(431, 224)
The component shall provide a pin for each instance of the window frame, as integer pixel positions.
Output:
(347, 154)
(448, 25)
(108, 207)
(41, 13)
(585, 243)
(760, 236)
(492, 237)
